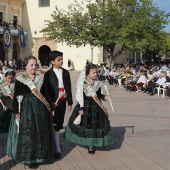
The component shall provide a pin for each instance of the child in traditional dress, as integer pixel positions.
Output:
(57, 91)
(93, 129)
(7, 90)
(31, 141)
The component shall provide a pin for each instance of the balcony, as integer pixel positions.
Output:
(13, 31)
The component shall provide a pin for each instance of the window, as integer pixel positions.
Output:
(1, 16)
(15, 20)
(44, 3)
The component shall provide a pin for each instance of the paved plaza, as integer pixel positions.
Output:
(141, 128)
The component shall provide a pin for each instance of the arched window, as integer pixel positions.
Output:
(44, 3)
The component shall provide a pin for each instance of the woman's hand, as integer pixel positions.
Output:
(17, 115)
(55, 105)
(81, 112)
(52, 113)
(69, 107)
(107, 97)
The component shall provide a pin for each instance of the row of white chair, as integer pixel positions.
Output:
(163, 89)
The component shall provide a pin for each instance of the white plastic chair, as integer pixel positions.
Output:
(164, 89)
(159, 88)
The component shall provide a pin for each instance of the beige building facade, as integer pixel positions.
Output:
(31, 15)
(11, 13)
(37, 45)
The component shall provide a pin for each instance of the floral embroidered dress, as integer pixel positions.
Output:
(31, 142)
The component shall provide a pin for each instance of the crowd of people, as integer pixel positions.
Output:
(10, 25)
(12, 64)
(32, 109)
(137, 77)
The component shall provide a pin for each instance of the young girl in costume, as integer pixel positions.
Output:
(7, 90)
(93, 130)
(31, 141)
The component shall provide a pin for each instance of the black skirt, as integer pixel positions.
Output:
(36, 134)
(5, 114)
(94, 129)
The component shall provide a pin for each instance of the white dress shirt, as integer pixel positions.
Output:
(59, 74)
(161, 81)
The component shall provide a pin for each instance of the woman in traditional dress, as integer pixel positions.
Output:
(7, 90)
(31, 142)
(93, 130)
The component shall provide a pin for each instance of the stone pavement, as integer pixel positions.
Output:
(141, 128)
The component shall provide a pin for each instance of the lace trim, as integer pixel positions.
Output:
(95, 88)
(38, 81)
(4, 92)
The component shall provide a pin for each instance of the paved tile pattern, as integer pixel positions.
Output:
(140, 125)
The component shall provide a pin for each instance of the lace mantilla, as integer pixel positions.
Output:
(79, 91)
(80, 88)
(38, 81)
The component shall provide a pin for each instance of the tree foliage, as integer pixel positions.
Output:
(135, 25)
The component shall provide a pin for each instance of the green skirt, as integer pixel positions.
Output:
(12, 141)
(35, 141)
(94, 129)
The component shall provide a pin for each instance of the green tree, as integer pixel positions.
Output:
(130, 23)
(165, 46)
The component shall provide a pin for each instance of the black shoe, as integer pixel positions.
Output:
(91, 150)
(33, 166)
(57, 155)
(151, 94)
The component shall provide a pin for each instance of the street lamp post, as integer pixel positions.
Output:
(92, 46)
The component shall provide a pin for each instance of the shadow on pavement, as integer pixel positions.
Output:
(118, 134)
(67, 146)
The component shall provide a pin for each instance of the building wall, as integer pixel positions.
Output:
(11, 8)
(33, 21)
(31, 17)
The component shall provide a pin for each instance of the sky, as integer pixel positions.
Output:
(164, 5)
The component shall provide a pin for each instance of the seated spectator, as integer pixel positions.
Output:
(141, 81)
(124, 76)
(160, 82)
(151, 77)
(164, 68)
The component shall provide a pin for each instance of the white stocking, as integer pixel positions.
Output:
(57, 143)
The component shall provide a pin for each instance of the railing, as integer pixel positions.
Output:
(13, 31)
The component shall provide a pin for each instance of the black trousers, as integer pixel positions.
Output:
(151, 86)
(58, 118)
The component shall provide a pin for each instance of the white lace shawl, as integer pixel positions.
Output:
(4, 92)
(93, 87)
(80, 88)
(38, 81)
(79, 91)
